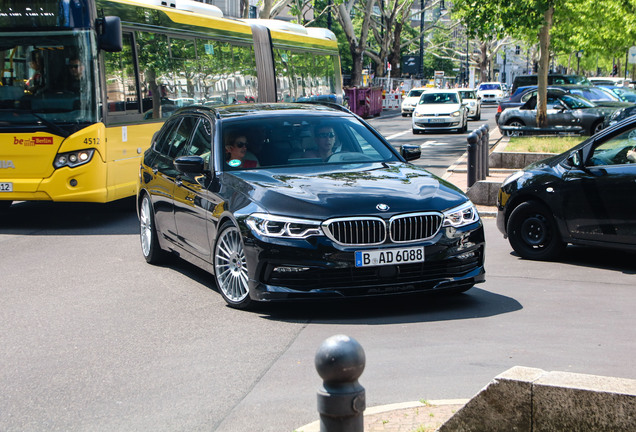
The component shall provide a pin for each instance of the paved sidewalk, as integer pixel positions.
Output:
(426, 416)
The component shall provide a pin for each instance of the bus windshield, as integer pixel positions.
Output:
(47, 78)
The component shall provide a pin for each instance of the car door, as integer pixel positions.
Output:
(194, 198)
(600, 200)
(161, 187)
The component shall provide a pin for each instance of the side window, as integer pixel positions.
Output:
(153, 70)
(121, 85)
(527, 96)
(201, 144)
(162, 145)
(176, 145)
(618, 150)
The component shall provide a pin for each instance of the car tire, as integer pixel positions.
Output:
(148, 233)
(404, 114)
(478, 116)
(230, 267)
(517, 123)
(533, 233)
(596, 127)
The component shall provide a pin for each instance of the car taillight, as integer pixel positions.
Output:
(499, 110)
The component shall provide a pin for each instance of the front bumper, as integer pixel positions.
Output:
(453, 260)
(431, 123)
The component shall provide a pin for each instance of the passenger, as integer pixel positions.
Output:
(36, 83)
(236, 150)
(631, 155)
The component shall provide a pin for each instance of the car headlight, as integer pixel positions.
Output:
(512, 177)
(455, 114)
(464, 214)
(280, 226)
(418, 114)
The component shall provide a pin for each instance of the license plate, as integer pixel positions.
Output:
(436, 120)
(382, 257)
(6, 187)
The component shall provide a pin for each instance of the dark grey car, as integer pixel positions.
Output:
(565, 112)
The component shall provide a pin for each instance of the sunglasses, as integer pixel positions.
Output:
(74, 66)
(240, 144)
(327, 135)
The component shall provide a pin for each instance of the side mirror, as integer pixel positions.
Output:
(411, 152)
(109, 34)
(575, 159)
(194, 165)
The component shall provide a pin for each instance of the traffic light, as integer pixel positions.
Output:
(615, 70)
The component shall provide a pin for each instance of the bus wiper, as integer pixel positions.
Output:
(57, 129)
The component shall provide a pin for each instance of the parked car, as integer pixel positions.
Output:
(473, 103)
(582, 196)
(598, 95)
(410, 100)
(613, 81)
(626, 94)
(568, 112)
(520, 97)
(440, 110)
(553, 79)
(330, 209)
(620, 115)
(491, 92)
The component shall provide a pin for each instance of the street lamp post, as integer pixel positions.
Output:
(420, 72)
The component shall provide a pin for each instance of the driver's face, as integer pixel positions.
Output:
(76, 69)
(326, 138)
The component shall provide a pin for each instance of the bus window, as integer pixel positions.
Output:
(246, 73)
(181, 78)
(121, 84)
(153, 68)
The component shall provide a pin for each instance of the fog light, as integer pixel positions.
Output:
(466, 255)
(73, 182)
(290, 269)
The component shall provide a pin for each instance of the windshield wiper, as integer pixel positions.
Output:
(57, 129)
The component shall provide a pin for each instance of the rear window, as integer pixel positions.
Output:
(489, 87)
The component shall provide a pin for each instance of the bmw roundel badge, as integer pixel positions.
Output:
(382, 207)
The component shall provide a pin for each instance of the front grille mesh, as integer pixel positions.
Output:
(372, 231)
(415, 227)
(357, 231)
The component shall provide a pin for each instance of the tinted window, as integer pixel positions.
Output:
(175, 145)
(415, 93)
(616, 150)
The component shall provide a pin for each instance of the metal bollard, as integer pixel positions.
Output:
(486, 164)
(472, 158)
(483, 151)
(480, 142)
(340, 361)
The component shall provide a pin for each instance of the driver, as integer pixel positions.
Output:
(631, 155)
(325, 140)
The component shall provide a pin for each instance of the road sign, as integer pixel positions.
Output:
(631, 55)
(439, 74)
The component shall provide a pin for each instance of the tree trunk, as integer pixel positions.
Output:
(544, 65)
(483, 62)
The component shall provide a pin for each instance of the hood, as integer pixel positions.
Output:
(411, 100)
(437, 108)
(327, 192)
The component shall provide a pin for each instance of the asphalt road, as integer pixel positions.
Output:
(96, 339)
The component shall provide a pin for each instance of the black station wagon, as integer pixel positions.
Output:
(291, 201)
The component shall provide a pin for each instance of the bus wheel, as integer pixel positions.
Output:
(5, 204)
(230, 267)
(148, 233)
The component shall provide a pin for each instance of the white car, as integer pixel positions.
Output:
(440, 110)
(491, 92)
(473, 103)
(410, 100)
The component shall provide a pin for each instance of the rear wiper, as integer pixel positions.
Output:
(57, 129)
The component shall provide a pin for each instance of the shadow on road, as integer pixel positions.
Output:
(475, 303)
(49, 218)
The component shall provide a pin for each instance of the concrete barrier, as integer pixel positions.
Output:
(532, 400)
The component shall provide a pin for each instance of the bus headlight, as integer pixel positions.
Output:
(73, 159)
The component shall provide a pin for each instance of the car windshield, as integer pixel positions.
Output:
(575, 102)
(594, 94)
(415, 93)
(297, 140)
(47, 77)
(438, 98)
(467, 94)
(489, 86)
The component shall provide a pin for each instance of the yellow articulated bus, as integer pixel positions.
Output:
(86, 83)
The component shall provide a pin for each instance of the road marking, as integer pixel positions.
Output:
(398, 134)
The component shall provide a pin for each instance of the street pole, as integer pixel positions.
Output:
(420, 72)
(467, 77)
